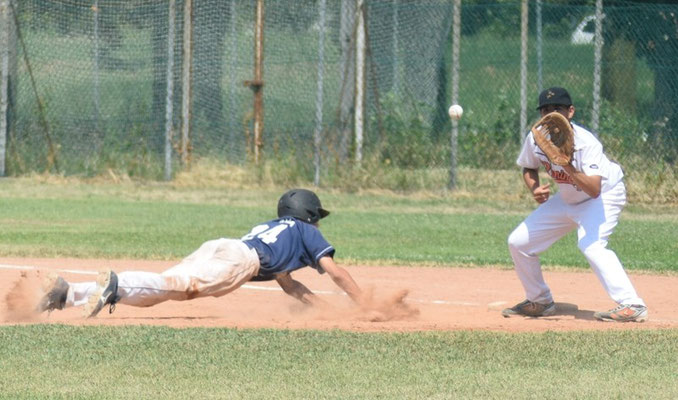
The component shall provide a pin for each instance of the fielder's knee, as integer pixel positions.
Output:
(516, 240)
(590, 248)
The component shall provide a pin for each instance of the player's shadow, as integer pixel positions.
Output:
(166, 317)
(567, 309)
(579, 314)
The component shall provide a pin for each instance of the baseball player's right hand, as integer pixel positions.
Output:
(541, 193)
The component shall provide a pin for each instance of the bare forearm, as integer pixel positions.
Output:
(297, 290)
(301, 293)
(348, 285)
(531, 178)
(540, 193)
(589, 184)
(343, 279)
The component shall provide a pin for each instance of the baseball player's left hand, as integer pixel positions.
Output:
(541, 193)
(554, 135)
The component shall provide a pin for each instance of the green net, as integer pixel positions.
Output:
(88, 87)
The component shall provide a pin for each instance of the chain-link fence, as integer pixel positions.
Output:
(109, 84)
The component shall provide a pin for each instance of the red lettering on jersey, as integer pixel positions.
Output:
(547, 166)
(558, 176)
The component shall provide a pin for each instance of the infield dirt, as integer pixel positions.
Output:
(436, 299)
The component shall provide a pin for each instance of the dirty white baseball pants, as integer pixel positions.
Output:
(595, 220)
(218, 267)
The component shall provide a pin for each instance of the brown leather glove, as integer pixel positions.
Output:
(555, 137)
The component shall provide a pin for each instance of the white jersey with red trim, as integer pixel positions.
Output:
(588, 157)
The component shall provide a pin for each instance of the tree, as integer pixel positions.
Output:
(649, 30)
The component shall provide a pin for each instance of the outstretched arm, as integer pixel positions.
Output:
(339, 275)
(297, 289)
(343, 279)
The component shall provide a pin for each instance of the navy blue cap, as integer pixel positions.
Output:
(554, 96)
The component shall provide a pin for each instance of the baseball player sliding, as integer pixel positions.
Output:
(271, 250)
(590, 198)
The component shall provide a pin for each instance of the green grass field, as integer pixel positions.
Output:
(49, 217)
(164, 221)
(52, 361)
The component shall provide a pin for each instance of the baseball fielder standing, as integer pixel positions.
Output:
(590, 198)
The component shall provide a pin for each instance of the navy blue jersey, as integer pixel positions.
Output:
(287, 244)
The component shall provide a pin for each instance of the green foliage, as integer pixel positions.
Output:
(636, 143)
(497, 19)
(492, 144)
(130, 156)
(406, 141)
(624, 136)
(559, 29)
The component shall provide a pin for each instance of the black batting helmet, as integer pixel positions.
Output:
(302, 204)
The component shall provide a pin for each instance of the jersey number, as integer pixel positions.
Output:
(267, 234)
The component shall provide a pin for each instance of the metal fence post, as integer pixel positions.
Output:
(456, 37)
(317, 140)
(170, 89)
(4, 80)
(186, 80)
(396, 52)
(96, 94)
(233, 61)
(523, 69)
(539, 45)
(359, 80)
(257, 85)
(597, 56)
(259, 78)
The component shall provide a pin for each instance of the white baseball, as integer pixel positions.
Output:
(455, 112)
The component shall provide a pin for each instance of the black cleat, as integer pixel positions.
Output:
(56, 289)
(106, 293)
